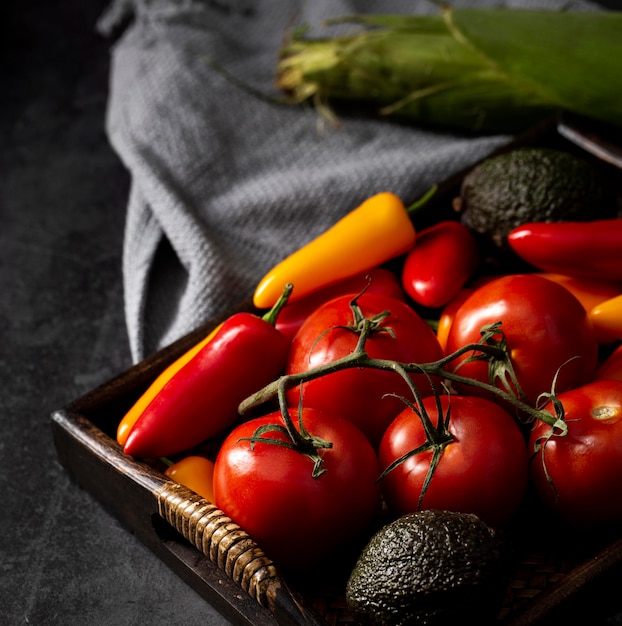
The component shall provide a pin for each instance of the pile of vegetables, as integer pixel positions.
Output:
(361, 382)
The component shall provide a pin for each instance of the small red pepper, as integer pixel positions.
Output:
(585, 249)
(443, 258)
(377, 280)
(202, 397)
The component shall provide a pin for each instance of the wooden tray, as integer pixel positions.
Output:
(555, 576)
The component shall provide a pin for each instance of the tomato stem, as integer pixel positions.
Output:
(491, 347)
(359, 358)
(271, 316)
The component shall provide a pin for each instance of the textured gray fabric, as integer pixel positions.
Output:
(225, 184)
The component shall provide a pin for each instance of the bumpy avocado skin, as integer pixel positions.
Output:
(529, 185)
(429, 568)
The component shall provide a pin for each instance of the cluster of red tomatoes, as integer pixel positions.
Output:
(446, 435)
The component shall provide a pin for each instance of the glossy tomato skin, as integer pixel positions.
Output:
(546, 328)
(443, 258)
(356, 393)
(484, 470)
(586, 464)
(269, 490)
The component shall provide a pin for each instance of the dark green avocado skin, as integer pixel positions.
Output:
(531, 185)
(429, 568)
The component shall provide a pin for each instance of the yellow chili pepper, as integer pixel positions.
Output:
(196, 473)
(607, 316)
(131, 417)
(378, 230)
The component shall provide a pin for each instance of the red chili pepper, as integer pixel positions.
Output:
(377, 280)
(443, 258)
(202, 397)
(586, 249)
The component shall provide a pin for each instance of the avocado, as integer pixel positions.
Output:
(431, 567)
(531, 185)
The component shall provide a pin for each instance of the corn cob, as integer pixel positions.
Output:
(482, 70)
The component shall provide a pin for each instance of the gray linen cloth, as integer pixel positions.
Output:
(225, 184)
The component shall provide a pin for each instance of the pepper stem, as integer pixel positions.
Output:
(272, 315)
(421, 202)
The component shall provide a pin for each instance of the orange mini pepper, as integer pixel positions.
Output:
(195, 472)
(589, 293)
(378, 230)
(607, 316)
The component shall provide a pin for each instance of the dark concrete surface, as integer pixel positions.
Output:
(63, 559)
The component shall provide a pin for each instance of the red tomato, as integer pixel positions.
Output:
(378, 280)
(270, 492)
(484, 470)
(359, 394)
(585, 465)
(443, 258)
(546, 327)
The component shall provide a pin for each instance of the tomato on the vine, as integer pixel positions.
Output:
(361, 394)
(579, 475)
(546, 328)
(269, 489)
(482, 468)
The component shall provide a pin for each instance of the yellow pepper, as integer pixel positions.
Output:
(607, 316)
(196, 473)
(375, 232)
(131, 417)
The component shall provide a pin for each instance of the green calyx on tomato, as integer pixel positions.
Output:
(500, 367)
(579, 476)
(437, 439)
(479, 464)
(363, 326)
(299, 439)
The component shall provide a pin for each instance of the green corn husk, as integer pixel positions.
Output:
(481, 70)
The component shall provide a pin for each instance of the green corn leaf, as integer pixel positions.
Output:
(484, 70)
